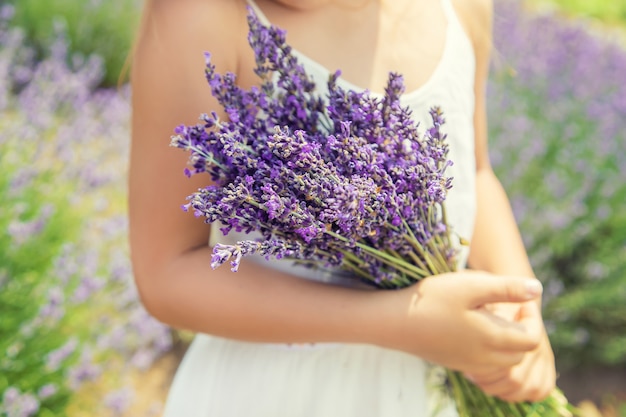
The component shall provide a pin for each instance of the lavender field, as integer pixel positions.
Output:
(71, 327)
(73, 335)
(558, 117)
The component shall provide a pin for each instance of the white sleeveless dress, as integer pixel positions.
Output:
(227, 378)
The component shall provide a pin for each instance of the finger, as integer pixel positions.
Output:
(505, 387)
(528, 381)
(538, 379)
(514, 386)
(505, 310)
(532, 393)
(511, 336)
(486, 289)
(529, 316)
(490, 377)
(495, 361)
(523, 392)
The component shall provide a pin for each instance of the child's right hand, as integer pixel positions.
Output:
(444, 320)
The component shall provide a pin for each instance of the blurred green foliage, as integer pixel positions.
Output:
(101, 27)
(557, 141)
(610, 11)
(68, 304)
(38, 222)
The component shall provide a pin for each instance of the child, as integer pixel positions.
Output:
(271, 343)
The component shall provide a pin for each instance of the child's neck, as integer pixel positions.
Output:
(366, 42)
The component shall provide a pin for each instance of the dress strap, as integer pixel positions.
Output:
(259, 13)
(450, 13)
(448, 8)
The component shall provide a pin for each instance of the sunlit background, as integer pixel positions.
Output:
(73, 338)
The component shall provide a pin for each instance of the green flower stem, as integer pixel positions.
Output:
(352, 262)
(412, 239)
(420, 251)
(255, 203)
(417, 260)
(442, 264)
(354, 268)
(499, 406)
(351, 257)
(481, 401)
(207, 156)
(435, 243)
(413, 256)
(444, 219)
(399, 264)
(459, 398)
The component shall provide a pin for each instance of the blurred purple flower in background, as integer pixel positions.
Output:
(557, 101)
(18, 404)
(63, 148)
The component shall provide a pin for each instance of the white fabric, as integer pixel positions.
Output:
(226, 378)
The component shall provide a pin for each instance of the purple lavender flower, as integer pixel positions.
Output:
(22, 231)
(87, 287)
(318, 176)
(18, 404)
(85, 370)
(54, 309)
(56, 357)
(557, 144)
(119, 401)
(63, 151)
(47, 391)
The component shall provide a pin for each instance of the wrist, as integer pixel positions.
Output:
(395, 321)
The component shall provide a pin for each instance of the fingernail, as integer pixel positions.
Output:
(533, 288)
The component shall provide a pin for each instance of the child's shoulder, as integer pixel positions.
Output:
(167, 69)
(181, 27)
(476, 16)
(198, 15)
(474, 12)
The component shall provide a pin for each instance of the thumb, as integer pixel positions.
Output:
(499, 289)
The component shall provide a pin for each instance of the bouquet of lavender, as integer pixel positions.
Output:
(343, 182)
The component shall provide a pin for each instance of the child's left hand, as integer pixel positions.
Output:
(533, 379)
